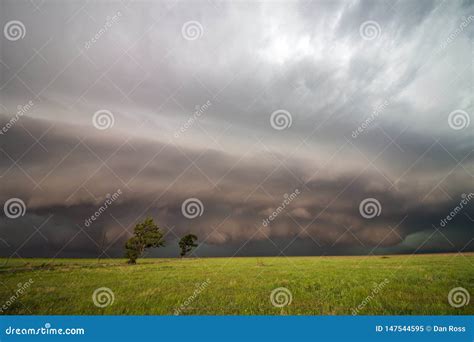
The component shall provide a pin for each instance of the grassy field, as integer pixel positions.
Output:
(240, 286)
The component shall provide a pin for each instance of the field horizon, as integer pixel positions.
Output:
(2, 259)
(311, 285)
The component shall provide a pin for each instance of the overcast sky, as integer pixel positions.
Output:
(287, 122)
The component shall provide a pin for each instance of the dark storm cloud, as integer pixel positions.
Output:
(156, 178)
(251, 59)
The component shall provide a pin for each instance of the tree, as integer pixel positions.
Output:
(187, 243)
(145, 235)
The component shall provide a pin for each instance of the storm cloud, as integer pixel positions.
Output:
(280, 118)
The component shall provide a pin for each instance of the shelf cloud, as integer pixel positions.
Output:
(269, 128)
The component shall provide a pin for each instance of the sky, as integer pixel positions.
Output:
(270, 128)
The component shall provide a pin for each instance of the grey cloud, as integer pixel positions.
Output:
(157, 178)
(252, 59)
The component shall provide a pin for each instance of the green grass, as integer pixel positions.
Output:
(240, 286)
